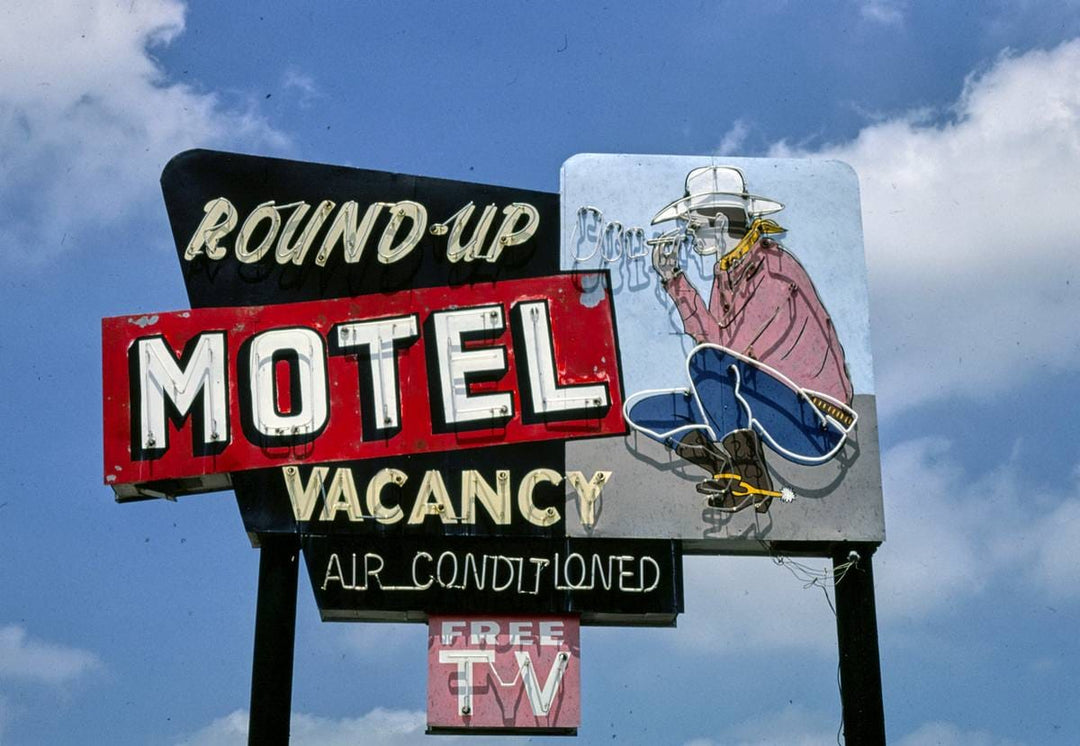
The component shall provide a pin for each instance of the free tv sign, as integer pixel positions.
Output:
(504, 673)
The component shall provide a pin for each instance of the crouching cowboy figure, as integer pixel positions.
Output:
(768, 364)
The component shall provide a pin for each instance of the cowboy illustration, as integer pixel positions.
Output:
(767, 365)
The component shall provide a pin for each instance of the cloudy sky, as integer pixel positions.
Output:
(132, 624)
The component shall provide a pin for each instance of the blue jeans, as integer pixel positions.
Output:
(731, 392)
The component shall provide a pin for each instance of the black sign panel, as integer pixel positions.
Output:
(607, 581)
(254, 231)
(429, 494)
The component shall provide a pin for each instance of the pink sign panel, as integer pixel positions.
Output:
(504, 673)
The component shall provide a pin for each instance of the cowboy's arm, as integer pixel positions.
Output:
(697, 321)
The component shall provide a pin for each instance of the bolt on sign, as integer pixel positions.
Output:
(739, 289)
(504, 673)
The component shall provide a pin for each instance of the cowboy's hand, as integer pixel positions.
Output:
(665, 260)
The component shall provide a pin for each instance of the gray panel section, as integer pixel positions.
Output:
(652, 494)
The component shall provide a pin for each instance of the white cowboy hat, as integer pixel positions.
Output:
(711, 188)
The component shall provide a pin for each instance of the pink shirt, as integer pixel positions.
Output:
(766, 307)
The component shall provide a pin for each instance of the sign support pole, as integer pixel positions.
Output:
(857, 636)
(275, 636)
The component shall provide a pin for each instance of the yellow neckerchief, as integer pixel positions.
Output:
(760, 227)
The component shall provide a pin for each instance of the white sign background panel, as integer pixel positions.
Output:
(712, 504)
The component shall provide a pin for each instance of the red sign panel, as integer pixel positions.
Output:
(504, 673)
(218, 390)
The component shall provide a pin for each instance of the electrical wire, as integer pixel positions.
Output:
(825, 579)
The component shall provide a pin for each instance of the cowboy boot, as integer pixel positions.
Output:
(696, 448)
(748, 461)
(719, 493)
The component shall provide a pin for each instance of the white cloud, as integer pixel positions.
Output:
(952, 534)
(791, 726)
(972, 233)
(302, 85)
(797, 726)
(763, 607)
(734, 139)
(225, 731)
(885, 12)
(1056, 569)
(88, 118)
(379, 727)
(933, 552)
(948, 734)
(27, 659)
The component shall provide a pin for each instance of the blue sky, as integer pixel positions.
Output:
(132, 624)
